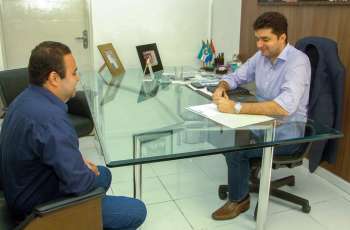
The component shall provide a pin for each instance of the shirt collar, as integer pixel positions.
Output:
(53, 98)
(281, 57)
(284, 53)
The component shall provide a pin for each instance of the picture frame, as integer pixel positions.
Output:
(149, 51)
(111, 59)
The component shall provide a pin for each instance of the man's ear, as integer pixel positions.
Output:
(283, 37)
(53, 78)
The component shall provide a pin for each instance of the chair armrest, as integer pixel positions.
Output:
(55, 205)
(78, 105)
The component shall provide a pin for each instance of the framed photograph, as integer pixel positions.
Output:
(149, 51)
(111, 59)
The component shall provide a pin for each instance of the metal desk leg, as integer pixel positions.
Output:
(137, 178)
(265, 179)
(137, 171)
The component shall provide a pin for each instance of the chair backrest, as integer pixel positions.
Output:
(312, 53)
(292, 159)
(12, 83)
(327, 71)
(6, 222)
(295, 159)
(326, 93)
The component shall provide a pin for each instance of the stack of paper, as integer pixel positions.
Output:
(230, 120)
(203, 90)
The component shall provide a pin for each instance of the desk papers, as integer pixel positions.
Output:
(230, 120)
(203, 90)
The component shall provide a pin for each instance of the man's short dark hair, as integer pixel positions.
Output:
(272, 20)
(46, 57)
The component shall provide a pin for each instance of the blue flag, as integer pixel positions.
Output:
(200, 54)
(209, 56)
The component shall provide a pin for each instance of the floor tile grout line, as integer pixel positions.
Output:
(165, 188)
(203, 170)
(315, 220)
(333, 185)
(183, 214)
(181, 198)
(291, 210)
(178, 207)
(160, 202)
(172, 199)
(176, 173)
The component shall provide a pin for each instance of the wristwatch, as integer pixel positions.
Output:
(237, 107)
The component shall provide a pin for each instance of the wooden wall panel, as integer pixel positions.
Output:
(332, 21)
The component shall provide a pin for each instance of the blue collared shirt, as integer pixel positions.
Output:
(39, 152)
(287, 81)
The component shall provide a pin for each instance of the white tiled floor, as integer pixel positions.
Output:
(182, 195)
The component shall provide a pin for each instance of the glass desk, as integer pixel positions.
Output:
(142, 121)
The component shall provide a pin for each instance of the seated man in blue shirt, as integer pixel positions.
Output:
(282, 77)
(39, 148)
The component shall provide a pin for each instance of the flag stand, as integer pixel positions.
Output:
(151, 74)
(206, 54)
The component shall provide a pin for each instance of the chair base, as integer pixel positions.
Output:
(274, 191)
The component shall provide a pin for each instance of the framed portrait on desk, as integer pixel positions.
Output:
(149, 52)
(111, 59)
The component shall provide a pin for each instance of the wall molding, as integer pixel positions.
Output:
(330, 177)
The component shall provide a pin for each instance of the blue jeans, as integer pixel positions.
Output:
(239, 169)
(119, 212)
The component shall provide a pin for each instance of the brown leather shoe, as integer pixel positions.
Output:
(231, 209)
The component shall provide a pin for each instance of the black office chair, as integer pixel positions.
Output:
(282, 161)
(13, 82)
(70, 213)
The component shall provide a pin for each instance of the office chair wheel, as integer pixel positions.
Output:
(223, 190)
(291, 184)
(306, 208)
(291, 181)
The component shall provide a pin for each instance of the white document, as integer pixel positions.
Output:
(230, 120)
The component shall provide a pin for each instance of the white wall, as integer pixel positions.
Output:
(226, 26)
(177, 26)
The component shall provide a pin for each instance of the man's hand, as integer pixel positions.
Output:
(219, 92)
(92, 167)
(225, 105)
